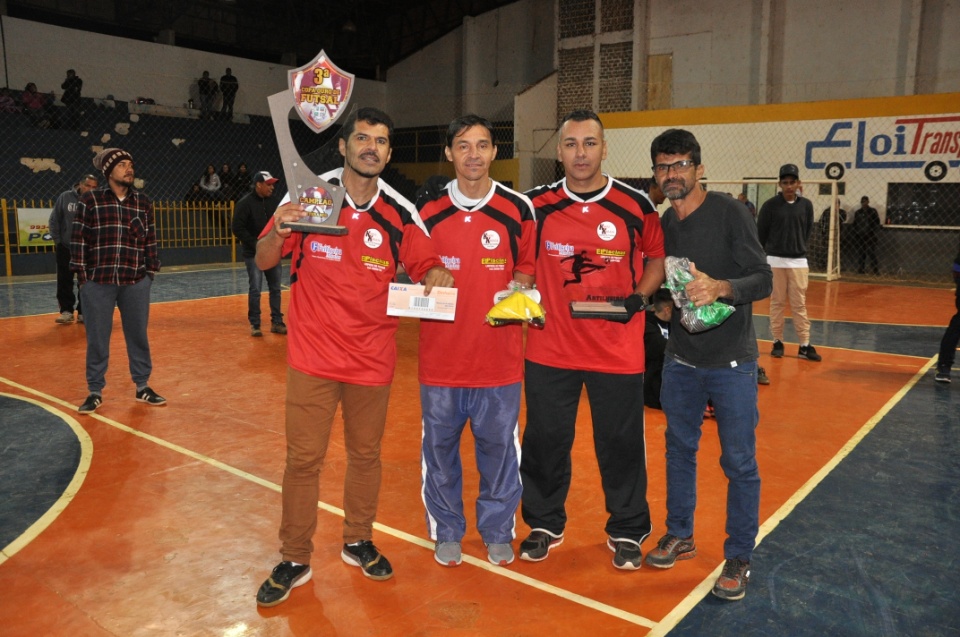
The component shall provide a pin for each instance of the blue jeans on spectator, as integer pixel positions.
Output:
(256, 276)
(733, 392)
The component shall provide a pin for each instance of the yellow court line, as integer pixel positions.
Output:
(696, 595)
(71, 490)
(402, 535)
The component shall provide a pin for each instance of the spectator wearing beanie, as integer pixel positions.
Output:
(114, 253)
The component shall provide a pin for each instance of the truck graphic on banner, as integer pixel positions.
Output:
(928, 143)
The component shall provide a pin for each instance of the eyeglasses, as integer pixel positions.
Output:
(678, 166)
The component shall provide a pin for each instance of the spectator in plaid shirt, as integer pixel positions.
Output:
(114, 253)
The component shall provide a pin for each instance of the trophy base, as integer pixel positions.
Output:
(598, 310)
(315, 228)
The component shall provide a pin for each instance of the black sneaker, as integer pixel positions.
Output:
(278, 328)
(365, 555)
(732, 583)
(285, 577)
(777, 351)
(669, 549)
(808, 352)
(762, 378)
(626, 553)
(538, 544)
(147, 395)
(943, 374)
(90, 404)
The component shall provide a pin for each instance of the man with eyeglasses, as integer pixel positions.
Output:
(593, 233)
(784, 226)
(717, 234)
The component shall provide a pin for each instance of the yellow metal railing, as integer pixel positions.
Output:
(202, 224)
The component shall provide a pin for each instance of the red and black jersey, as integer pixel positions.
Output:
(482, 246)
(591, 250)
(339, 328)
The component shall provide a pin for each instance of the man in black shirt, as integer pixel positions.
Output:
(717, 234)
(253, 212)
(229, 87)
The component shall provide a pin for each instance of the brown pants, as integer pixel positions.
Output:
(790, 283)
(311, 405)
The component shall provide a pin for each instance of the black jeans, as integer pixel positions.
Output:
(65, 296)
(948, 346)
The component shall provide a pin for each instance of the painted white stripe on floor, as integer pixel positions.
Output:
(402, 535)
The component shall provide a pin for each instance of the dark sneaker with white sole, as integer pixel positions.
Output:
(147, 395)
(626, 553)
(90, 404)
(808, 352)
(365, 555)
(285, 577)
(538, 544)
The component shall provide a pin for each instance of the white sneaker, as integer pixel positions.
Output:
(65, 317)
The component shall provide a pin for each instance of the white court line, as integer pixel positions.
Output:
(402, 535)
(696, 595)
(71, 490)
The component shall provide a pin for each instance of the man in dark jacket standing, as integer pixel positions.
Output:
(253, 212)
(61, 229)
(784, 225)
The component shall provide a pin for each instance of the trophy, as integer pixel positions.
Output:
(319, 92)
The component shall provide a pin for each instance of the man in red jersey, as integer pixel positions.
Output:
(485, 233)
(341, 347)
(593, 235)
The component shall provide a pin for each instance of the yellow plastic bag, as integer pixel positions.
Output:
(516, 308)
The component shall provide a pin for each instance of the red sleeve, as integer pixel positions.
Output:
(288, 243)
(417, 253)
(652, 236)
(527, 253)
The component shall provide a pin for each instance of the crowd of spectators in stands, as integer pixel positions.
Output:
(220, 187)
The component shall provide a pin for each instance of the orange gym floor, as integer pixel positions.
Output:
(169, 523)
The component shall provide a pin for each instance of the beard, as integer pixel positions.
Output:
(675, 189)
(126, 182)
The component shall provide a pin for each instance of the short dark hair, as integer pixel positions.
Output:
(370, 115)
(461, 124)
(660, 298)
(581, 115)
(675, 141)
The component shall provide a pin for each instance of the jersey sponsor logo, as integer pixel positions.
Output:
(604, 252)
(490, 239)
(374, 263)
(494, 264)
(606, 231)
(372, 238)
(556, 249)
(450, 263)
(326, 251)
